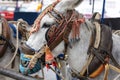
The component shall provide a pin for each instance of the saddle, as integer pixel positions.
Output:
(102, 53)
(4, 34)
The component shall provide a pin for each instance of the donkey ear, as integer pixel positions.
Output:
(78, 2)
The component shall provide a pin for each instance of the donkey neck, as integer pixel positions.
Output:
(78, 53)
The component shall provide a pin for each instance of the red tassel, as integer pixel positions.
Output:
(47, 66)
(54, 64)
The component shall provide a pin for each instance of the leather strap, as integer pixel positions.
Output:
(98, 35)
(106, 72)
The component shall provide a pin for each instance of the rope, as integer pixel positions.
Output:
(0, 27)
(116, 78)
(15, 53)
(106, 72)
(36, 24)
(114, 68)
(12, 22)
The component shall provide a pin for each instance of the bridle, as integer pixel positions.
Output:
(56, 34)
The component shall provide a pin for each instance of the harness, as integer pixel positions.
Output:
(55, 35)
(117, 32)
(5, 37)
(99, 54)
(99, 51)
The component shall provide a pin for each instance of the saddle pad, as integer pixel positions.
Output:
(104, 47)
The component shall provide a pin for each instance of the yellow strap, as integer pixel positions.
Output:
(28, 56)
(106, 72)
(0, 28)
(107, 68)
(86, 65)
(98, 35)
(114, 68)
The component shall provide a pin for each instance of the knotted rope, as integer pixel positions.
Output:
(15, 53)
(36, 24)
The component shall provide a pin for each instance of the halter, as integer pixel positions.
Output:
(56, 34)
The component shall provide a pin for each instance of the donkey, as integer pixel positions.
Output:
(82, 46)
(9, 42)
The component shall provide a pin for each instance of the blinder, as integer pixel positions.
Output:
(50, 32)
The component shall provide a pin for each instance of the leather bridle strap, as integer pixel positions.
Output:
(57, 17)
(61, 33)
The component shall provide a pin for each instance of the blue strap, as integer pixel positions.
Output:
(57, 77)
(14, 31)
(93, 6)
(103, 11)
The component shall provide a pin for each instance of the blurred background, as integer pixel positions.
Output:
(30, 9)
(14, 9)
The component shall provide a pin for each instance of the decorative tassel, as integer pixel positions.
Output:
(54, 64)
(48, 55)
(76, 28)
(47, 66)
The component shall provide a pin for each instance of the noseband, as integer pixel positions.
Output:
(27, 49)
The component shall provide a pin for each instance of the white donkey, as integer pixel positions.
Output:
(79, 49)
(61, 7)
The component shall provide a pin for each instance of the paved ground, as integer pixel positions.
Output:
(48, 74)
